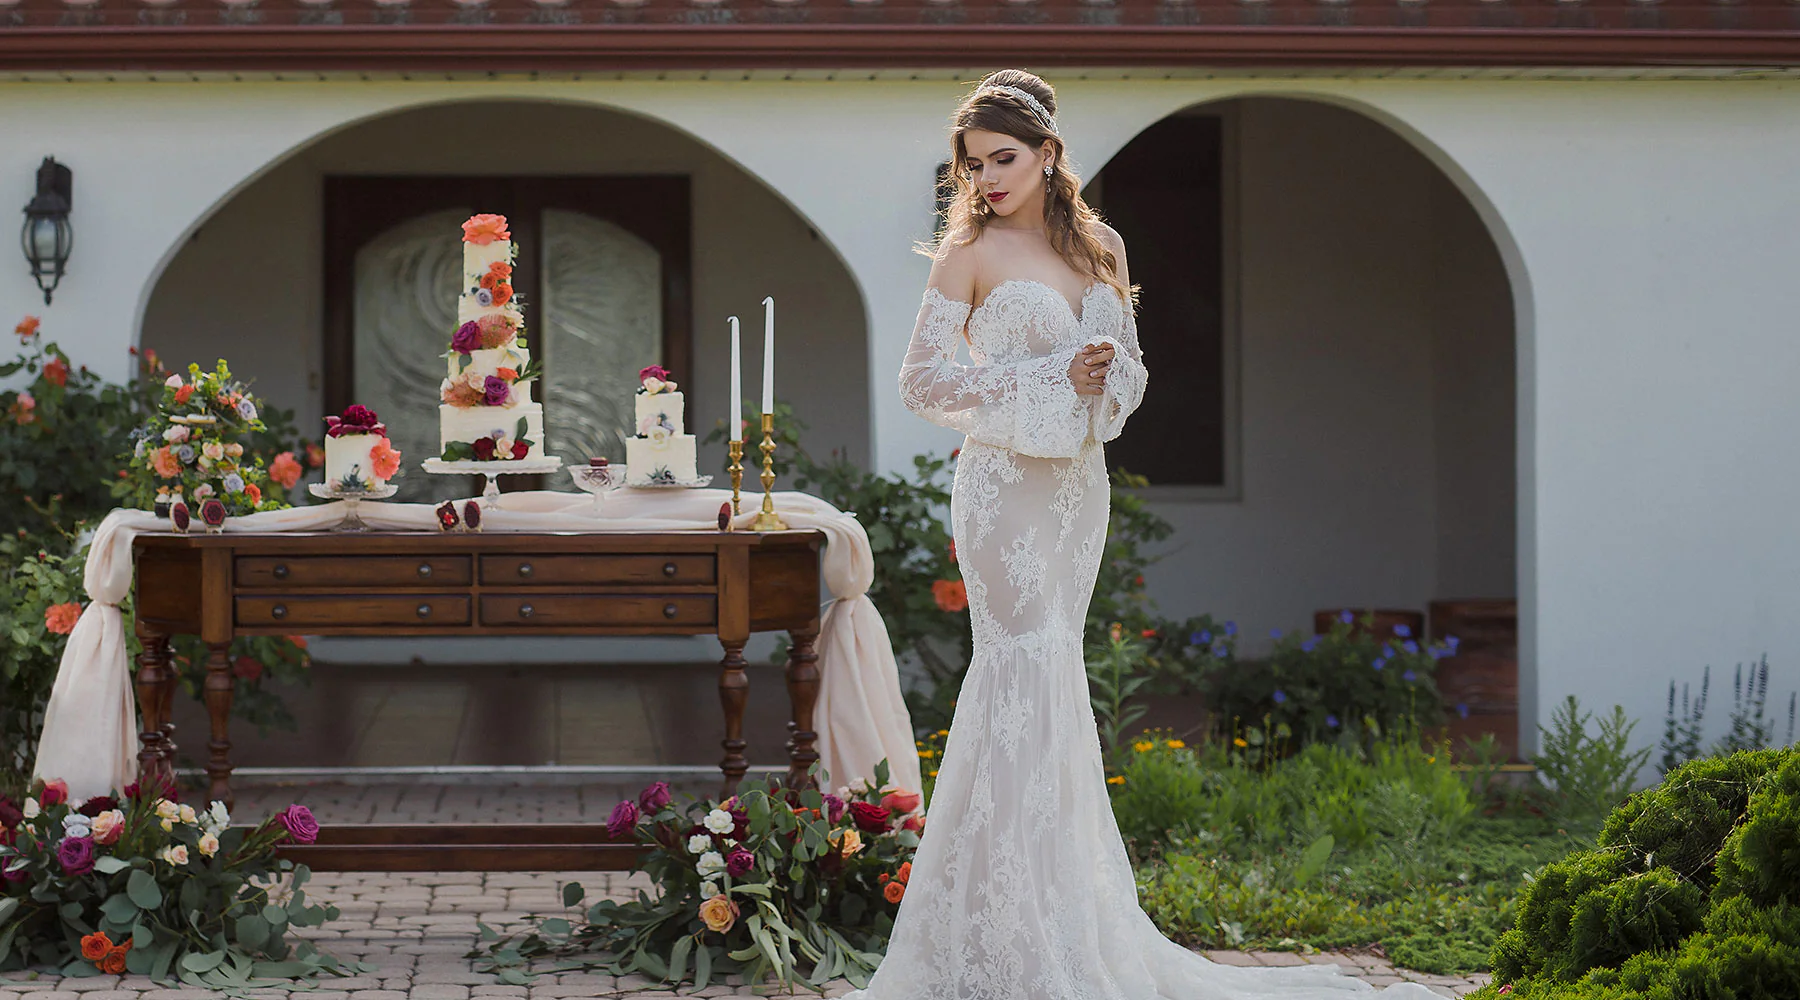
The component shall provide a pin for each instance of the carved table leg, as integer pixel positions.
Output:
(803, 695)
(734, 692)
(219, 686)
(156, 751)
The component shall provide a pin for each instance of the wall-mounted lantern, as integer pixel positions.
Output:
(47, 237)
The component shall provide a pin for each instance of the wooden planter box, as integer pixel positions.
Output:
(1483, 676)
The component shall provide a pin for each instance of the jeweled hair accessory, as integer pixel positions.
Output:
(1037, 108)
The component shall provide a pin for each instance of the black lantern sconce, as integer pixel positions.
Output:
(47, 237)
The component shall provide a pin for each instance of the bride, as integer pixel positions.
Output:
(1021, 889)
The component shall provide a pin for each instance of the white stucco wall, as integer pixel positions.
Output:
(1649, 228)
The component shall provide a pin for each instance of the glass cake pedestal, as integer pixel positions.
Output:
(493, 470)
(352, 520)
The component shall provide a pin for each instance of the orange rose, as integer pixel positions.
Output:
(254, 492)
(501, 268)
(27, 326)
(905, 871)
(502, 294)
(95, 946)
(285, 470)
(386, 459)
(951, 595)
(165, 462)
(57, 371)
(507, 373)
(894, 892)
(114, 962)
(61, 618)
(484, 229)
(719, 913)
(183, 394)
(489, 280)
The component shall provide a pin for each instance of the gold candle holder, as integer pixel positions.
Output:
(767, 519)
(737, 479)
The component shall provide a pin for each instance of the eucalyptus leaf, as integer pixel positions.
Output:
(202, 961)
(109, 865)
(252, 932)
(120, 910)
(573, 894)
(678, 958)
(275, 915)
(143, 890)
(702, 966)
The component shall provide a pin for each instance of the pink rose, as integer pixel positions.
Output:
(55, 793)
(901, 801)
(299, 823)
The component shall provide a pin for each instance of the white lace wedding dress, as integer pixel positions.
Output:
(1021, 888)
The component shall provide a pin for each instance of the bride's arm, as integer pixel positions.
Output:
(1126, 376)
(1028, 406)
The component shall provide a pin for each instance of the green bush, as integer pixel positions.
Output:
(1689, 893)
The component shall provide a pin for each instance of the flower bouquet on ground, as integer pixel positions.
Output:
(799, 885)
(146, 885)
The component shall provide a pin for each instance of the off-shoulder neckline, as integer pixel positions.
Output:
(1086, 293)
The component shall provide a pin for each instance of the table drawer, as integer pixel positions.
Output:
(598, 570)
(299, 613)
(259, 572)
(609, 610)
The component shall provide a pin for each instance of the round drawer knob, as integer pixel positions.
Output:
(668, 569)
(424, 570)
(424, 611)
(278, 612)
(670, 610)
(281, 571)
(526, 611)
(525, 570)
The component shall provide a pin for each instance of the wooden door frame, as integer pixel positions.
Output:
(657, 208)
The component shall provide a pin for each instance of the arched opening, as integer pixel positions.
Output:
(1338, 341)
(253, 284)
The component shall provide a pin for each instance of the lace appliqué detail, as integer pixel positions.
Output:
(1025, 567)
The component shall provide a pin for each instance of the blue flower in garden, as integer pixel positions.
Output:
(1403, 631)
(1409, 677)
(1274, 633)
(1462, 710)
(1331, 720)
(1438, 652)
(1411, 646)
(1231, 630)
(1310, 645)
(1453, 642)
(1346, 617)
(1380, 661)
(1280, 696)
(1203, 639)
(1219, 650)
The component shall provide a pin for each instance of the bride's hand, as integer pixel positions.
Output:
(1088, 370)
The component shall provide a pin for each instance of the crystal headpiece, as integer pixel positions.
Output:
(1037, 108)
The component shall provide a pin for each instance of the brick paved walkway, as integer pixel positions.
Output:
(416, 927)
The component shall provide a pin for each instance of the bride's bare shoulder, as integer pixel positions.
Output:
(954, 267)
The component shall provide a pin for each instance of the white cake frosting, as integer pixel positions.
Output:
(662, 449)
(668, 405)
(465, 413)
(352, 455)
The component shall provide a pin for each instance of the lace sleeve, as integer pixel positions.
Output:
(1028, 406)
(1125, 382)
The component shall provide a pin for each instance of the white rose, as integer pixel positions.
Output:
(167, 810)
(711, 863)
(176, 855)
(209, 845)
(31, 809)
(719, 821)
(77, 825)
(699, 843)
(218, 817)
(709, 889)
(173, 381)
(187, 815)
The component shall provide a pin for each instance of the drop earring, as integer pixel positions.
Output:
(1049, 170)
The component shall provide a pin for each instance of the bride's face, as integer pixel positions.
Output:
(1007, 172)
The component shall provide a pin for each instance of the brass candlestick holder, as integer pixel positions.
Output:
(736, 468)
(767, 519)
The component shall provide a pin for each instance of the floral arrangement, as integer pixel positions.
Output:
(771, 881)
(653, 379)
(496, 445)
(142, 883)
(192, 447)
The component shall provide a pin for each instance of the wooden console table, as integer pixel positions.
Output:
(728, 584)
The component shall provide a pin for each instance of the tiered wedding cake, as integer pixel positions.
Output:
(487, 412)
(662, 452)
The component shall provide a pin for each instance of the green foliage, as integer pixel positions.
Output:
(43, 572)
(1591, 773)
(1689, 893)
(1750, 727)
(812, 901)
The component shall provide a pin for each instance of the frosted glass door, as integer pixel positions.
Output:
(600, 321)
(405, 311)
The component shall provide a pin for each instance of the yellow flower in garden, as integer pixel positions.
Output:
(1431, 760)
(943, 732)
(1143, 746)
(1240, 741)
(1117, 779)
(1175, 744)
(932, 775)
(928, 754)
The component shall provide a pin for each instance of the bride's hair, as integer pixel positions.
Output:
(1073, 227)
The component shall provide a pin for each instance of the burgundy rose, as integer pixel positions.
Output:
(76, 854)
(653, 798)
(653, 371)
(624, 817)
(92, 807)
(738, 862)
(484, 448)
(357, 419)
(157, 788)
(520, 449)
(872, 818)
(834, 807)
(495, 391)
(10, 815)
(12, 876)
(742, 827)
(299, 823)
(55, 793)
(467, 339)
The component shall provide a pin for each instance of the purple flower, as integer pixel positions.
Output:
(1346, 617)
(1230, 629)
(1200, 639)
(495, 390)
(299, 823)
(1453, 642)
(1274, 633)
(1409, 677)
(1331, 720)
(1218, 649)
(76, 855)
(738, 862)
(653, 798)
(1280, 696)
(834, 808)
(1380, 661)
(483, 296)
(12, 874)
(1403, 631)
(467, 339)
(624, 817)
(1462, 710)
(1309, 645)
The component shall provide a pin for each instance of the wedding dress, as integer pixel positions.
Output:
(1021, 888)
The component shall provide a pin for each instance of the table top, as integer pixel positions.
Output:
(380, 542)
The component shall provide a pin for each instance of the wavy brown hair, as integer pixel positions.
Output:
(1073, 227)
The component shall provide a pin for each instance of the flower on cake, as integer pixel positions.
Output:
(357, 419)
(484, 229)
(386, 458)
(484, 448)
(467, 338)
(460, 391)
(495, 391)
(509, 374)
(497, 329)
(502, 294)
(655, 379)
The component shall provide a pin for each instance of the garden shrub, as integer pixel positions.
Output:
(1690, 893)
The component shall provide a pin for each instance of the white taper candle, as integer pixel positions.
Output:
(734, 418)
(768, 400)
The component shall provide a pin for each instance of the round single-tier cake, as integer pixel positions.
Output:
(487, 412)
(358, 455)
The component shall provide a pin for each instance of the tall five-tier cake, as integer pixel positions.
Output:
(487, 412)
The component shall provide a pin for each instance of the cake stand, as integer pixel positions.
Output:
(597, 480)
(493, 470)
(352, 520)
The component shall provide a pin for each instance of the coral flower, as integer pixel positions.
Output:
(183, 394)
(285, 470)
(95, 946)
(315, 455)
(386, 458)
(484, 229)
(23, 409)
(27, 327)
(253, 492)
(61, 618)
(57, 371)
(894, 892)
(951, 595)
(502, 294)
(509, 374)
